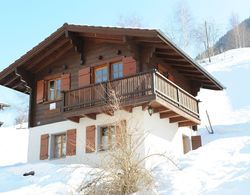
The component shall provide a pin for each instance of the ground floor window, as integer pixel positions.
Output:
(60, 146)
(107, 137)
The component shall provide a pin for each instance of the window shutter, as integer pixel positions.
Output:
(40, 91)
(65, 82)
(120, 132)
(196, 142)
(71, 142)
(90, 139)
(84, 77)
(129, 66)
(44, 146)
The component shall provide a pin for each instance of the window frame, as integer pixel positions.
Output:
(55, 146)
(56, 95)
(111, 143)
(101, 67)
(119, 71)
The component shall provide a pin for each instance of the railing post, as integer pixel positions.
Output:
(153, 81)
(177, 96)
(63, 101)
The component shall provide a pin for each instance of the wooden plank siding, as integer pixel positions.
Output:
(41, 114)
(70, 64)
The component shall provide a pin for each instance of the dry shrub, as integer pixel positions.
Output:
(122, 168)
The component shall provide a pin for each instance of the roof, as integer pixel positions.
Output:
(62, 41)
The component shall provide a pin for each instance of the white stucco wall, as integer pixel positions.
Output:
(162, 136)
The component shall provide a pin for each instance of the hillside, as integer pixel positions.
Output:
(231, 106)
(228, 41)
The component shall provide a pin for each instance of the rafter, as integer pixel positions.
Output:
(91, 116)
(55, 57)
(177, 119)
(168, 114)
(187, 123)
(47, 53)
(78, 44)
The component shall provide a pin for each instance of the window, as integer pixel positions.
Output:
(54, 89)
(117, 70)
(60, 146)
(107, 137)
(101, 74)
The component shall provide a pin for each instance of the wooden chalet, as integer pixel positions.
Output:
(143, 66)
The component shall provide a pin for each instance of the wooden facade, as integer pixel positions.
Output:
(155, 73)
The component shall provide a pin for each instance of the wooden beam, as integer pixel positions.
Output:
(54, 57)
(128, 108)
(49, 51)
(187, 123)
(196, 72)
(145, 106)
(25, 77)
(193, 75)
(176, 62)
(91, 116)
(161, 109)
(11, 80)
(78, 44)
(183, 67)
(177, 119)
(168, 114)
(109, 112)
(168, 56)
(165, 50)
(75, 119)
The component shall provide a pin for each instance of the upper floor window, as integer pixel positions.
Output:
(101, 74)
(117, 70)
(54, 89)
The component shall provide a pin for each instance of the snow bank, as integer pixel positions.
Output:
(48, 179)
(13, 145)
(235, 58)
(220, 167)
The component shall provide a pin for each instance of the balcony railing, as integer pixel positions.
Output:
(129, 90)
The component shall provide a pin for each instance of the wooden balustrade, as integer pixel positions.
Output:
(129, 89)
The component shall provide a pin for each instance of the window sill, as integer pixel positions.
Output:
(60, 158)
(52, 101)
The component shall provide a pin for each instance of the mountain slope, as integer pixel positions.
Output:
(231, 106)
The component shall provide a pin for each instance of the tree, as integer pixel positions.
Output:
(234, 24)
(2, 106)
(22, 116)
(206, 34)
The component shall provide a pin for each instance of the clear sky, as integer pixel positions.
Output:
(25, 23)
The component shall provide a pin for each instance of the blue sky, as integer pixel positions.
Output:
(26, 23)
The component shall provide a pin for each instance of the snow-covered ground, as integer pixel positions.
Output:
(229, 60)
(13, 145)
(221, 166)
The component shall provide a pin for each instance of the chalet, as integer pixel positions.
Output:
(68, 75)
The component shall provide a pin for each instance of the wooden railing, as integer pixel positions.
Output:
(176, 95)
(128, 90)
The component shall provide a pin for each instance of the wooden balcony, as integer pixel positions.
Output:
(143, 89)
